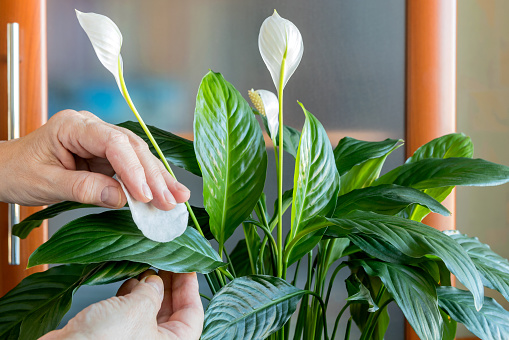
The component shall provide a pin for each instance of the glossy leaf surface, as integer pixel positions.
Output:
(316, 184)
(250, 307)
(415, 294)
(113, 236)
(452, 145)
(494, 269)
(358, 292)
(386, 199)
(437, 173)
(413, 239)
(491, 322)
(231, 153)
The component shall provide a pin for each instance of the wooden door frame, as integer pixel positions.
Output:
(430, 86)
(31, 17)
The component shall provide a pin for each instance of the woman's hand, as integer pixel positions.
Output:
(74, 156)
(166, 306)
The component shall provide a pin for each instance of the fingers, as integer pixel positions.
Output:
(87, 187)
(149, 293)
(144, 175)
(127, 287)
(186, 316)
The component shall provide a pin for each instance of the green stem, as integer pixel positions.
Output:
(230, 264)
(375, 318)
(300, 235)
(348, 328)
(296, 272)
(324, 317)
(369, 324)
(205, 296)
(226, 273)
(152, 140)
(280, 171)
(336, 323)
(331, 282)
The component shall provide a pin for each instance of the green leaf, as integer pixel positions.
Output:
(386, 199)
(291, 137)
(240, 259)
(491, 322)
(38, 303)
(494, 269)
(452, 145)
(113, 236)
(358, 292)
(414, 292)
(33, 221)
(177, 150)
(450, 326)
(413, 239)
(351, 152)
(316, 185)
(250, 307)
(381, 249)
(231, 153)
(436, 173)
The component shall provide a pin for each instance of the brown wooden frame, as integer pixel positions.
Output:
(31, 16)
(430, 85)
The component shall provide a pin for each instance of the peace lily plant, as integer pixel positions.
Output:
(344, 215)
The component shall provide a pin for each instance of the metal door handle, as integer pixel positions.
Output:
(13, 121)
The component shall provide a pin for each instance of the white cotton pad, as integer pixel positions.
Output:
(157, 225)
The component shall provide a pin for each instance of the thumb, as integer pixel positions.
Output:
(148, 295)
(89, 188)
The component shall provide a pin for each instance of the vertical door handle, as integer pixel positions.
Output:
(14, 127)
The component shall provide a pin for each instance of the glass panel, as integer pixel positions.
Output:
(351, 75)
(483, 114)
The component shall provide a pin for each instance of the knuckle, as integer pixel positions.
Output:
(83, 188)
(64, 114)
(117, 137)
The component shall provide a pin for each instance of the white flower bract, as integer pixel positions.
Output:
(267, 104)
(277, 37)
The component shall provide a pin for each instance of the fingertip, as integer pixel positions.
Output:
(113, 197)
(156, 282)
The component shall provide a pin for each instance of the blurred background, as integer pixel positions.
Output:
(352, 78)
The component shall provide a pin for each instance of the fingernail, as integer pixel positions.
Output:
(111, 196)
(154, 281)
(147, 192)
(169, 197)
(181, 187)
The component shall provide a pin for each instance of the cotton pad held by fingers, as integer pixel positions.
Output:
(157, 225)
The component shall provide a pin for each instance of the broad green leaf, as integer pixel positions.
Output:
(176, 150)
(494, 269)
(240, 259)
(351, 152)
(362, 161)
(452, 145)
(37, 304)
(316, 185)
(291, 137)
(436, 173)
(413, 239)
(381, 249)
(450, 326)
(113, 236)
(336, 249)
(358, 292)
(386, 199)
(250, 307)
(33, 221)
(231, 153)
(359, 311)
(414, 292)
(491, 322)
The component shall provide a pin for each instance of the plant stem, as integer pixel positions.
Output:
(226, 273)
(375, 318)
(338, 318)
(230, 264)
(348, 328)
(324, 317)
(296, 272)
(280, 170)
(331, 282)
(152, 140)
(205, 296)
(369, 324)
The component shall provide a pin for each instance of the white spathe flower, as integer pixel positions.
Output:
(106, 40)
(157, 225)
(279, 37)
(267, 104)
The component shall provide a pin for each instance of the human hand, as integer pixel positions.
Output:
(73, 156)
(166, 306)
